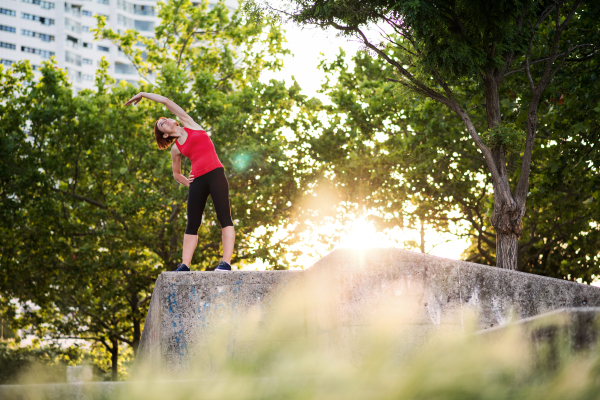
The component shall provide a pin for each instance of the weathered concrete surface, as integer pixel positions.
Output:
(343, 295)
(188, 307)
(418, 294)
(556, 335)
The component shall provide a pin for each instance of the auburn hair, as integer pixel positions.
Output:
(162, 142)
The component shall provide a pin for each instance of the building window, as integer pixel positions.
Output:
(8, 29)
(42, 36)
(6, 62)
(86, 28)
(103, 48)
(144, 25)
(88, 61)
(74, 75)
(86, 13)
(126, 22)
(87, 77)
(48, 5)
(42, 20)
(72, 42)
(106, 2)
(72, 26)
(42, 53)
(73, 58)
(126, 69)
(73, 10)
(9, 46)
(87, 45)
(8, 12)
(143, 10)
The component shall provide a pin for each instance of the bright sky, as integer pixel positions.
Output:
(309, 46)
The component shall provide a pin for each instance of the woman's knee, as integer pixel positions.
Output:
(192, 228)
(225, 221)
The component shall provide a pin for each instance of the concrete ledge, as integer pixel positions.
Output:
(568, 329)
(187, 307)
(343, 295)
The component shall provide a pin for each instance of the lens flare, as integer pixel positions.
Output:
(363, 235)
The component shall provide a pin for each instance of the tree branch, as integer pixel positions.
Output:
(79, 197)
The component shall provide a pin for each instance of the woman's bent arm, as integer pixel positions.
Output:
(176, 166)
(185, 119)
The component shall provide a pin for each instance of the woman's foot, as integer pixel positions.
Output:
(182, 268)
(223, 267)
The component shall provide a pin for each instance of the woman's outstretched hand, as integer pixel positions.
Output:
(135, 99)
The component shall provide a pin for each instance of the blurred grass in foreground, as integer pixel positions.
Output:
(275, 358)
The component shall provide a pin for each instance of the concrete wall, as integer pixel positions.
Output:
(552, 339)
(337, 300)
(189, 307)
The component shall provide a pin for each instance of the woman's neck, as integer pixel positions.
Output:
(179, 132)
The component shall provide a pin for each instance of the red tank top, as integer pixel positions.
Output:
(200, 149)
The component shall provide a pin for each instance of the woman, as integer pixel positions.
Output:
(206, 177)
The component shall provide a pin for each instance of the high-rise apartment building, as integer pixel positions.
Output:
(39, 29)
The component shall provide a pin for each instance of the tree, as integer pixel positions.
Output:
(560, 235)
(405, 161)
(446, 46)
(96, 216)
(210, 61)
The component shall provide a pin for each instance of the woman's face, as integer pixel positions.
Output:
(167, 126)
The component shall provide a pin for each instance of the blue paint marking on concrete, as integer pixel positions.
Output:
(200, 314)
(175, 320)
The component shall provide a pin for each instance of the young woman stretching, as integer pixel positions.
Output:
(206, 177)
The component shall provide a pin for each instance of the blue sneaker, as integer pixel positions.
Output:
(223, 267)
(182, 268)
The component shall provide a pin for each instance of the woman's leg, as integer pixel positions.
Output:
(189, 245)
(219, 191)
(197, 195)
(228, 235)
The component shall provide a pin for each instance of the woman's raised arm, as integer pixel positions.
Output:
(185, 119)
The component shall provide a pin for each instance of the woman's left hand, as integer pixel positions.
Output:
(135, 99)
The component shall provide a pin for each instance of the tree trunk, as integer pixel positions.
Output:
(115, 359)
(507, 215)
(507, 246)
(137, 335)
(508, 222)
(422, 236)
(136, 320)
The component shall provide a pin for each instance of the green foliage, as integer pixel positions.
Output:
(561, 235)
(398, 159)
(194, 55)
(401, 159)
(48, 364)
(469, 56)
(91, 213)
(505, 136)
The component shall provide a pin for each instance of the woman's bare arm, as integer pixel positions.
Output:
(185, 119)
(176, 166)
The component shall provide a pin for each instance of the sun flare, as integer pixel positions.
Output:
(363, 235)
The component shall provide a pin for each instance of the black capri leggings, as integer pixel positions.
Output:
(213, 183)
